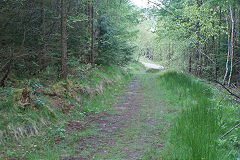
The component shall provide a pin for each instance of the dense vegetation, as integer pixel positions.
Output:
(199, 36)
(88, 32)
(58, 58)
(196, 116)
(61, 61)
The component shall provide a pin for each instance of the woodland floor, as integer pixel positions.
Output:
(129, 130)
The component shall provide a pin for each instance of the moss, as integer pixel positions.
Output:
(16, 96)
(59, 89)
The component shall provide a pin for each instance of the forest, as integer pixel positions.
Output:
(74, 83)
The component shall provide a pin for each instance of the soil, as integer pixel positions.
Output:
(110, 127)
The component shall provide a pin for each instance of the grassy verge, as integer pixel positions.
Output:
(47, 123)
(195, 117)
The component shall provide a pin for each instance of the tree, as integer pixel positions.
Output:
(197, 29)
(44, 49)
(64, 39)
(115, 24)
(92, 32)
(30, 32)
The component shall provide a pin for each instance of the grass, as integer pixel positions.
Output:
(196, 128)
(39, 131)
(189, 118)
(195, 118)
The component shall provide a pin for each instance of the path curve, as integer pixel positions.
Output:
(153, 66)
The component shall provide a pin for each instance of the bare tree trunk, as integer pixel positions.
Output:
(25, 26)
(238, 67)
(64, 39)
(190, 64)
(219, 43)
(44, 50)
(92, 33)
(213, 48)
(169, 52)
(199, 66)
(228, 55)
(24, 36)
(232, 45)
(5, 77)
(205, 59)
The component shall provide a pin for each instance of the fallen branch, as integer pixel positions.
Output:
(228, 90)
(230, 130)
(205, 55)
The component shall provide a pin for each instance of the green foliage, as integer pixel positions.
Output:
(197, 29)
(112, 50)
(30, 35)
(115, 33)
(56, 133)
(200, 120)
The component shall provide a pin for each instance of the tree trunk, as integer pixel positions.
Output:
(190, 64)
(5, 76)
(238, 37)
(232, 45)
(169, 52)
(219, 43)
(64, 39)
(44, 50)
(92, 33)
(214, 51)
(228, 55)
(205, 59)
(199, 66)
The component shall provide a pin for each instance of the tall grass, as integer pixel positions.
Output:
(45, 121)
(197, 126)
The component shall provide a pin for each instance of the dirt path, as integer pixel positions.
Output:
(153, 66)
(124, 134)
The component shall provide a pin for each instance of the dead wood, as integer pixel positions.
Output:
(230, 130)
(228, 90)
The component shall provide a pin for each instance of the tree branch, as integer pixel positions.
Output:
(228, 90)
(230, 130)
(205, 55)
(161, 6)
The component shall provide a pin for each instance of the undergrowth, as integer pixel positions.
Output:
(195, 117)
(32, 126)
(202, 117)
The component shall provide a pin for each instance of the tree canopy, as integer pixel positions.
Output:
(96, 32)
